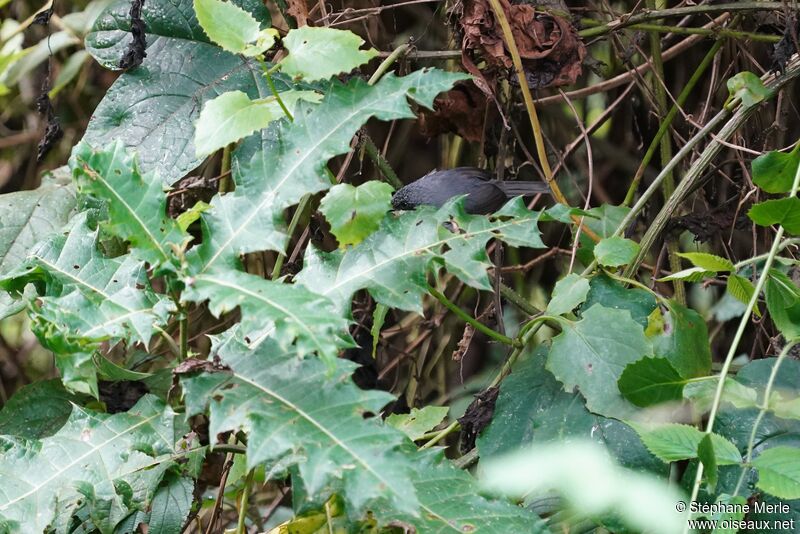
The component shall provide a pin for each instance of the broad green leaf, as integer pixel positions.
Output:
(702, 393)
(748, 87)
(420, 421)
(393, 262)
(692, 274)
(307, 319)
(319, 53)
(109, 370)
(171, 505)
(452, 502)
(569, 293)
(152, 109)
(85, 299)
(299, 413)
(356, 212)
(742, 290)
(783, 303)
(615, 251)
(708, 262)
(774, 172)
(590, 482)
(603, 221)
(229, 26)
(316, 422)
(37, 410)
(674, 442)
(682, 338)
(611, 294)
(707, 456)
(779, 472)
(293, 163)
(592, 353)
(137, 203)
(27, 217)
(232, 116)
(783, 211)
(104, 465)
(651, 381)
(533, 407)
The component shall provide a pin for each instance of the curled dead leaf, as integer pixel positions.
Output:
(462, 110)
(549, 46)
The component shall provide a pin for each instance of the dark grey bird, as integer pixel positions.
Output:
(484, 195)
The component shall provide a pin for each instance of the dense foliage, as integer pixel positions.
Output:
(223, 310)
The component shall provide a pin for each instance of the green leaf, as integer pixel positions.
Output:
(355, 212)
(702, 394)
(783, 211)
(590, 483)
(316, 422)
(378, 318)
(85, 299)
(188, 217)
(100, 464)
(692, 274)
(748, 87)
(568, 294)
(290, 312)
(153, 109)
(109, 370)
(533, 407)
(319, 53)
(682, 338)
(783, 303)
(674, 442)
(742, 290)
(137, 203)
(708, 262)
(291, 166)
(27, 217)
(774, 171)
(229, 26)
(171, 505)
(393, 262)
(37, 410)
(651, 381)
(232, 116)
(611, 294)
(420, 421)
(592, 353)
(707, 456)
(779, 472)
(615, 251)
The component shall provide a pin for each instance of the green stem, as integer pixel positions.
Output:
(763, 411)
(299, 213)
(224, 171)
(275, 93)
(517, 300)
(525, 335)
(665, 143)
(625, 21)
(755, 259)
(680, 30)
(667, 121)
(738, 337)
(248, 483)
(452, 427)
(380, 162)
(497, 336)
(386, 63)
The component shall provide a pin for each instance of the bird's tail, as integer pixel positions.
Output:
(519, 188)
